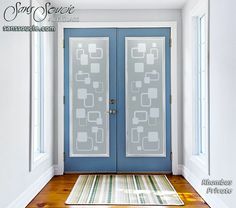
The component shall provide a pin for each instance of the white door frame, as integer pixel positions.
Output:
(59, 168)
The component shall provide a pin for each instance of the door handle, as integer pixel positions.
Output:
(112, 111)
(112, 101)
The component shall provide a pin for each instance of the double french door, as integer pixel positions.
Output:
(117, 100)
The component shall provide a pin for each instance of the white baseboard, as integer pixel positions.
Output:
(58, 170)
(212, 200)
(25, 198)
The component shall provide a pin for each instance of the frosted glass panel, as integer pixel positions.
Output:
(89, 95)
(145, 97)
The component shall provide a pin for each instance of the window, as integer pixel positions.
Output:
(37, 99)
(37, 148)
(200, 80)
(201, 87)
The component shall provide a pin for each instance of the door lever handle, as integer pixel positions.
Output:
(112, 111)
(112, 101)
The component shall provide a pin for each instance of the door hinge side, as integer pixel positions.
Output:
(171, 156)
(64, 99)
(64, 156)
(170, 99)
(63, 43)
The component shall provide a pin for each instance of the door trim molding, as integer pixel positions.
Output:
(59, 128)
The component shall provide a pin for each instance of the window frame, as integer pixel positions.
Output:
(199, 88)
(37, 53)
(201, 160)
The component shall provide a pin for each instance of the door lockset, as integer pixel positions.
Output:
(112, 101)
(112, 111)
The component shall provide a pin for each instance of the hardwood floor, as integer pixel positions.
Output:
(55, 193)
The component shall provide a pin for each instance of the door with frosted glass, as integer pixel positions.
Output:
(143, 122)
(117, 100)
(90, 94)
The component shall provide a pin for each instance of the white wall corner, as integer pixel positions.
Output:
(179, 170)
(58, 170)
(212, 200)
(25, 198)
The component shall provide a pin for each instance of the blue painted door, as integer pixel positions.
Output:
(89, 85)
(143, 119)
(117, 100)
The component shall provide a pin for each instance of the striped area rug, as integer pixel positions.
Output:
(123, 190)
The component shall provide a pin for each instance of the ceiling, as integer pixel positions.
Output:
(121, 4)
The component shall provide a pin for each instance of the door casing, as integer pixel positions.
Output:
(59, 168)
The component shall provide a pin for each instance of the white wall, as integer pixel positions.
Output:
(138, 16)
(222, 100)
(223, 96)
(15, 177)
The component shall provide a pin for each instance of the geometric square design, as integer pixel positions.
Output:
(84, 59)
(147, 80)
(139, 148)
(92, 48)
(152, 93)
(95, 85)
(95, 68)
(135, 121)
(87, 80)
(139, 67)
(141, 115)
(143, 91)
(138, 84)
(152, 136)
(141, 47)
(100, 99)
(88, 95)
(82, 137)
(82, 94)
(94, 129)
(80, 113)
(154, 45)
(154, 113)
(140, 129)
(150, 58)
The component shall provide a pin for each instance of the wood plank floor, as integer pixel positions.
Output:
(55, 193)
